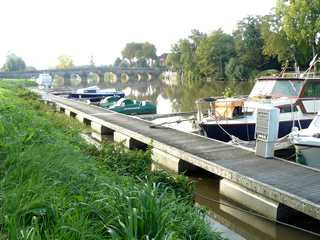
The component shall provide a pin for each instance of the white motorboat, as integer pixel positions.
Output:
(95, 94)
(307, 143)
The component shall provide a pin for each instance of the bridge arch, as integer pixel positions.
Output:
(75, 79)
(57, 80)
(124, 77)
(101, 77)
(93, 78)
(112, 77)
(142, 76)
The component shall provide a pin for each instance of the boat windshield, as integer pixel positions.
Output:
(315, 122)
(276, 88)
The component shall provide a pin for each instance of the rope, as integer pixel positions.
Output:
(177, 121)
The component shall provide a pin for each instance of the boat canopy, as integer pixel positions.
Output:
(276, 88)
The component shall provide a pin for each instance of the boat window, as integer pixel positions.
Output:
(312, 90)
(274, 88)
(287, 108)
(262, 88)
(90, 91)
(287, 88)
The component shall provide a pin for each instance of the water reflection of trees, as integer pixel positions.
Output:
(140, 90)
(184, 95)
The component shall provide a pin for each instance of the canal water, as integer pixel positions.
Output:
(171, 98)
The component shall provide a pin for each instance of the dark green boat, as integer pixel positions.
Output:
(109, 101)
(133, 107)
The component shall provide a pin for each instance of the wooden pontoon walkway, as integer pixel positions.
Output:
(288, 183)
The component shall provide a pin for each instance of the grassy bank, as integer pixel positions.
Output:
(55, 186)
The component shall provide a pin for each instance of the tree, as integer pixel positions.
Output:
(14, 63)
(136, 53)
(149, 52)
(65, 62)
(117, 62)
(173, 59)
(300, 20)
(182, 57)
(276, 43)
(237, 71)
(130, 51)
(249, 43)
(291, 32)
(213, 53)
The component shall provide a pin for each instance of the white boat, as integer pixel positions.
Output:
(94, 93)
(297, 96)
(307, 143)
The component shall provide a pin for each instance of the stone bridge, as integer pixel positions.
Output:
(83, 72)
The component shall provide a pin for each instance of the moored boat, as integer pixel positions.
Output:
(95, 94)
(307, 143)
(133, 107)
(109, 101)
(297, 97)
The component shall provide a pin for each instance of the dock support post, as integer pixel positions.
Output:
(69, 113)
(59, 109)
(83, 120)
(128, 142)
(99, 132)
(166, 160)
(254, 201)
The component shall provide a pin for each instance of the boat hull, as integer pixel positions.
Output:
(245, 131)
(93, 96)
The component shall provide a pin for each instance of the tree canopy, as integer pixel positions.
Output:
(14, 63)
(290, 34)
(65, 62)
(213, 54)
(301, 22)
(140, 54)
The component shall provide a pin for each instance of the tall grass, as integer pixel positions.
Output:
(54, 186)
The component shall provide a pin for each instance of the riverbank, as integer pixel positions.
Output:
(55, 186)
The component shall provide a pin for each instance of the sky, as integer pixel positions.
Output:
(41, 30)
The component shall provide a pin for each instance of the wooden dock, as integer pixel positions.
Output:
(278, 183)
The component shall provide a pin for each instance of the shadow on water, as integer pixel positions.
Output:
(245, 224)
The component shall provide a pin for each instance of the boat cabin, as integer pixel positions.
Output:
(276, 87)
